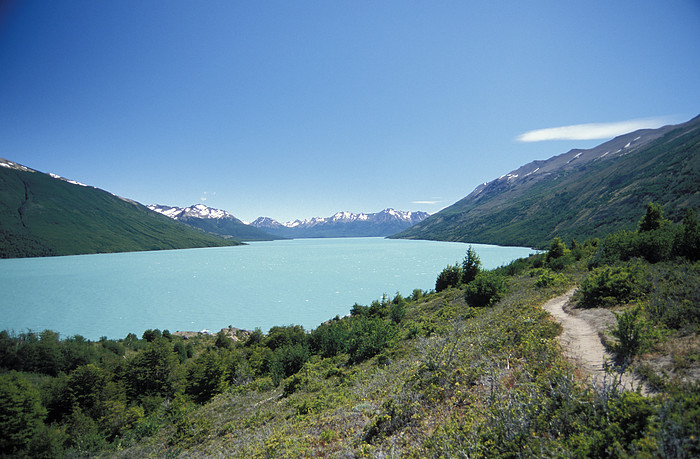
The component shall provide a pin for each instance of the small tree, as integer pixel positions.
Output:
(21, 413)
(632, 331)
(688, 241)
(151, 335)
(471, 266)
(486, 289)
(653, 219)
(207, 376)
(223, 341)
(556, 250)
(449, 277)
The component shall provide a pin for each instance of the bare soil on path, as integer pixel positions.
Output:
(581, 342)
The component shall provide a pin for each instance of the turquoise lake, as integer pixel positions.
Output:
(301, 281)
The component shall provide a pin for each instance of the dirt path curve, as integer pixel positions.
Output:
(581, 343)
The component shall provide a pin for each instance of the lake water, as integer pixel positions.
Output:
(301, 281)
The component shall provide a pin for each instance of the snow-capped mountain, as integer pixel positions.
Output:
(579, 194)
(344, 224)
(535, 171)
(213, 221)
(196, 211)
(44, 214)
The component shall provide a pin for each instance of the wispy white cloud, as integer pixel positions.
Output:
(430, 203)
(591, 131)
(206, 194)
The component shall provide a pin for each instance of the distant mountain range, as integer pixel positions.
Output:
(44, 214)
(214, 221)
(344, 224)
(579, 194)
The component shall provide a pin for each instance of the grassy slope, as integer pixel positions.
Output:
(41, 215)
(603, 197)
(457, 381)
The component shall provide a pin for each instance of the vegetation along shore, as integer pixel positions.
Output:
(473, 368)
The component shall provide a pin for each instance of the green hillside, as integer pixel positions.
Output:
(41, 215)
(575, 200)
(475, 369)
(230, 227)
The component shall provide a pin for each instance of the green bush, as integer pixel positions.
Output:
(633, 332)
(675, 300)
(486, 289)
(287, 360)
(397, 311)
(550, 279)
(21, 413)
(615, 247)
(653, 219)
(207, 376)
(287, 335)
(330, 338)
(369, 337)
(556, 250)
(687, 243)
(654, 245)
(611, 285)
(152, 371)
(451, 276)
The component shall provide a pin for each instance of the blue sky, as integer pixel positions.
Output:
(301, 109)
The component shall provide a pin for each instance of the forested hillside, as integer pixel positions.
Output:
(41, 215)
(471, 369)
(583, 193)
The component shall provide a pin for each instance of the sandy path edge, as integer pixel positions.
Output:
(581, 343)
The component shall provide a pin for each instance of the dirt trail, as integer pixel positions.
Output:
(581, 342)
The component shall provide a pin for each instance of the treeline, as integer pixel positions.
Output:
(72, 395)
(21, 244)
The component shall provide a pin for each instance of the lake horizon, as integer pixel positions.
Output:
(258, 285)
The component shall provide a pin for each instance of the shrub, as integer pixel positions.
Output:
(286, 335)
(556, 250)
(676, 295)
(151, 335)
(286, 361)
(369, 337)
(615, 247)
(611, 285)
(21, 412)
(330, 338)
(207, 376)
(292, 384)
(397, 311)
(223, 341)
(449, 277)
(152, 371)
(550, 279)
(687, 243)
(486, 289)
(632, 331)
(654, 245)
(653, 219)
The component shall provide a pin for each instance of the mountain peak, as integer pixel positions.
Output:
(344, 224)
(578, 194)
(193, 211)
(213, 220)
(6, 163)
